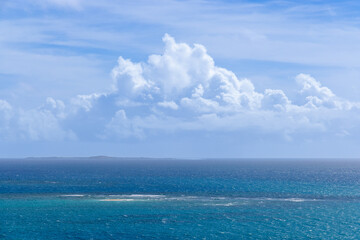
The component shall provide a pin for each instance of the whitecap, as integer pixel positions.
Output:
(295, 199)
(117, 200)
(224, 204)
(147, 195)
(72, 195)
(144, 196)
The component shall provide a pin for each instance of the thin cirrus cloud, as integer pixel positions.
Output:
(180, 90)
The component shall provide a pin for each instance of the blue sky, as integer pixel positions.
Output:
(186, 79)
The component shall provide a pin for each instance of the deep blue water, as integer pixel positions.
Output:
(179, 199)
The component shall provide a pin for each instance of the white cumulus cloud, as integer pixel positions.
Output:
(171, 105)
(181, 89)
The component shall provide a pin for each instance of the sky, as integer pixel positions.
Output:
(182, 79)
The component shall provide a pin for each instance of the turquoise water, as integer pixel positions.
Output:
(178, 199)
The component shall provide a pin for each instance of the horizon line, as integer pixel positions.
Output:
(177, 158)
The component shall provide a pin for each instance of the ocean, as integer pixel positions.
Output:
(130, 198)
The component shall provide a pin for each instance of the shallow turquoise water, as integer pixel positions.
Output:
(156, 199)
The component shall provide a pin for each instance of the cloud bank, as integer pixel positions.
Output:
(181, 90)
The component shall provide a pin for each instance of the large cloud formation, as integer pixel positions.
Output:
(180, 90)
